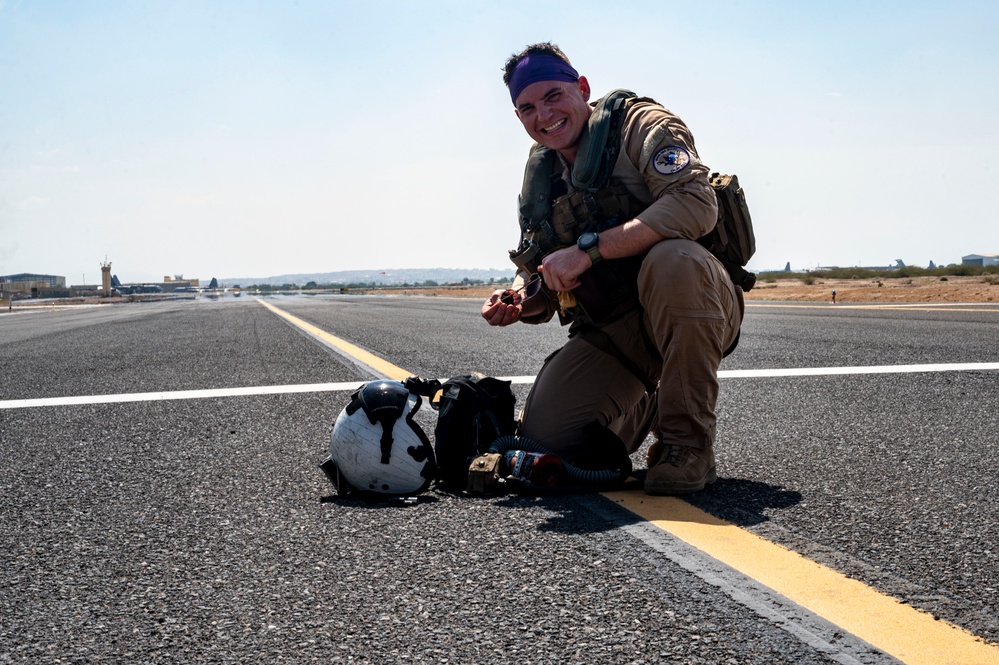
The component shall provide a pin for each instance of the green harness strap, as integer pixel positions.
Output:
(591, 171)
(596, 156)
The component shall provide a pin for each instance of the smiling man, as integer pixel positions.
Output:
(614, 198)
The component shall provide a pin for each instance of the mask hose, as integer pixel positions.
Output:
(583, 476)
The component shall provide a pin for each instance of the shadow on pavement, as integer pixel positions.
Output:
(738, 501)
(743, 502)
(735, 500)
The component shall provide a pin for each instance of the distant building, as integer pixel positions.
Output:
(178, 282)
(30, 285)
(51, 281)
(980, 260)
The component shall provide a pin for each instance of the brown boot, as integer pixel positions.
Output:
(680, 470)
(653, 453)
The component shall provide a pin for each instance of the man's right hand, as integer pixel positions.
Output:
(499, 313)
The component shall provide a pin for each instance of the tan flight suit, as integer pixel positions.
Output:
(691, 312)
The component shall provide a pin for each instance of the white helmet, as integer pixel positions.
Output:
(377, 446)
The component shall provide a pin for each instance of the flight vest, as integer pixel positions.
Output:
(553, 215)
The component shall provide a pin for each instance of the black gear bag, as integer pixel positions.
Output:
(472, 412)
(732, 240)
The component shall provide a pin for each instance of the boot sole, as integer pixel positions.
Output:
(662, 487)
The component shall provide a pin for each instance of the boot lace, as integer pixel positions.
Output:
(675, 455)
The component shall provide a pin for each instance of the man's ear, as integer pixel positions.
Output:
(584, 87)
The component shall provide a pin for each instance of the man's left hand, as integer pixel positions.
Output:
(500, 313)
(561, 269)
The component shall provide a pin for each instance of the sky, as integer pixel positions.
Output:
(255, 139)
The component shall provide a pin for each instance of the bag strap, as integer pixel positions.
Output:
(602, 341)
(424, 387)
(739, 275)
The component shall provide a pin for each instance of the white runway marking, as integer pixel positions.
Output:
(519, 380)
(874, 369)
(829, 371)
(178, 394)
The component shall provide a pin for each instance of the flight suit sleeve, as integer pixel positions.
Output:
(661, 148)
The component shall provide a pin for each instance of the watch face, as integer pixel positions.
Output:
(587, 240)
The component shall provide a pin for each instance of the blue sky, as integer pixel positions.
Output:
(249, 139)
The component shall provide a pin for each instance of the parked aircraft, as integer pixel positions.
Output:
(132, 289)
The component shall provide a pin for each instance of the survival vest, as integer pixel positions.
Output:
(553, 215)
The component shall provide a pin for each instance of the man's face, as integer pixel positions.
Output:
(554, 113)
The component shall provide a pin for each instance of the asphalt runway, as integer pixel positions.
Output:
(201, 530)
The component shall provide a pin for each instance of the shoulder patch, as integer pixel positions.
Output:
(671, 159)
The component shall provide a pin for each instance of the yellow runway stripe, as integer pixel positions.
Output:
(912, 636)
(384, 367)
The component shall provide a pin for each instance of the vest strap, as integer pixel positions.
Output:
(602, 341)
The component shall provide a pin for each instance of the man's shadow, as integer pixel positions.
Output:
(738, 501)
(743, 502)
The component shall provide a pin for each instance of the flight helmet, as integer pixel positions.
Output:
(376, 446)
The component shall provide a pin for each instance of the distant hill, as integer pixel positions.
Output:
(386, 277)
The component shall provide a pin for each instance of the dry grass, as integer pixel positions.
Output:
(903, 289)
(915, 289)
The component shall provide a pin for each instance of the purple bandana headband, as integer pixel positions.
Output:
(539, 67)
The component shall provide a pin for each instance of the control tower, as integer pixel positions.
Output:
(106, 278)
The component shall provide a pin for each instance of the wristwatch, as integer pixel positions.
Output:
(588, 243)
